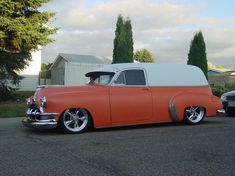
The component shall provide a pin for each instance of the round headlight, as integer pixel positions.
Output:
(43, 101)
(28, 101)
(223, 98)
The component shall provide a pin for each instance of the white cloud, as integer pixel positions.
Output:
(165, 28)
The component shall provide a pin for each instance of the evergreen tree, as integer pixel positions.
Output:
(129, 41)
(22, 30)
(123, 41)
(143, 55)
(117, 46)
(197, 53)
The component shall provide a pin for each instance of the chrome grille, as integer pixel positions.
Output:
(230, 97)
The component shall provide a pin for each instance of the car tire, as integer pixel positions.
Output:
(194, 115)
(75, 120)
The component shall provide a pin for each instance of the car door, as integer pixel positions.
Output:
(130, 97)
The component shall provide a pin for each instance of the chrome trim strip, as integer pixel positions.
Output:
(221, 111)
(173, 114)
(49, 113)
(29, 112)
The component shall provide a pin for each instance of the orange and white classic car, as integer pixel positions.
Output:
(125, 94)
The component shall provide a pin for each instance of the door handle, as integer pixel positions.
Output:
(146, 88)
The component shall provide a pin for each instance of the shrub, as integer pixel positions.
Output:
(9, 95)
(22, 95)
(230, 87)
(218, 90)
(6, 93)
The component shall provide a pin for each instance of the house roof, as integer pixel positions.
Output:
(231, 73)
(77, 58)
(214, 71)
(85, 59)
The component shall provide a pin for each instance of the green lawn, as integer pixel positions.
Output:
(12, 109)
(15, 107)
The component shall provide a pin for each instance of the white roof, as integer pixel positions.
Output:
(78, 58)
(160, 74)
(82, 59)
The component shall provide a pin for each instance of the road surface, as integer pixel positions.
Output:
(149, 150)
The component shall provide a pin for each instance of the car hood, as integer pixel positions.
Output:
(59, 90)
(231, 93)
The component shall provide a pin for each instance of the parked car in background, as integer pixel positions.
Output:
(228, 100)
(125, 94)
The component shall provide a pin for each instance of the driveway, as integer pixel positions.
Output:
(162, 149)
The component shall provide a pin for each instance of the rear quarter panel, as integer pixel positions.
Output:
(182, 97)
(189, 98)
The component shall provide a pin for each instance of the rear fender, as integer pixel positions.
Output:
(179, 102)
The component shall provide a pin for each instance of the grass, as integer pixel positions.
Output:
(15, 107)
(12, 109)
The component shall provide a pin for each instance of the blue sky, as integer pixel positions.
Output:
(218, 8)
(166, 28)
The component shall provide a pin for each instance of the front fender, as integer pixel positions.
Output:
(97, 103)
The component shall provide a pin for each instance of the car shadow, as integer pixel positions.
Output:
(156, 125)
(133, 127)
(44, 131)
(211, 122)
(58, 131)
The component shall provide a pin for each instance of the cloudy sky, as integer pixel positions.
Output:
(165, 27)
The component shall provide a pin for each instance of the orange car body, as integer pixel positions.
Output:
(120, 105)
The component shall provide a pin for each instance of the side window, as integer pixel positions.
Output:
(121, 79)
(135, 77)
(131, 77)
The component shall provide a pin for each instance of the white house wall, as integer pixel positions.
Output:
(75, 73)
(29, 83)
(57, 73)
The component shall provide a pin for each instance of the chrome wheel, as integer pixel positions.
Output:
(75, 120)
(194, 114)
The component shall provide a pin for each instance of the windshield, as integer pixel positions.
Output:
(100, 78)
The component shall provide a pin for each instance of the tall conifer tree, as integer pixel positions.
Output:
(197, 53)
(129, 41)
(117, 46)
(123, 41)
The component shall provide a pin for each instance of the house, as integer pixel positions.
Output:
(69, 69)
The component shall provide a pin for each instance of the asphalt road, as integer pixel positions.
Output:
(162, 149)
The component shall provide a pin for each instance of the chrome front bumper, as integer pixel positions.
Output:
(39, 120)
(39, 124)
(221, 112)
